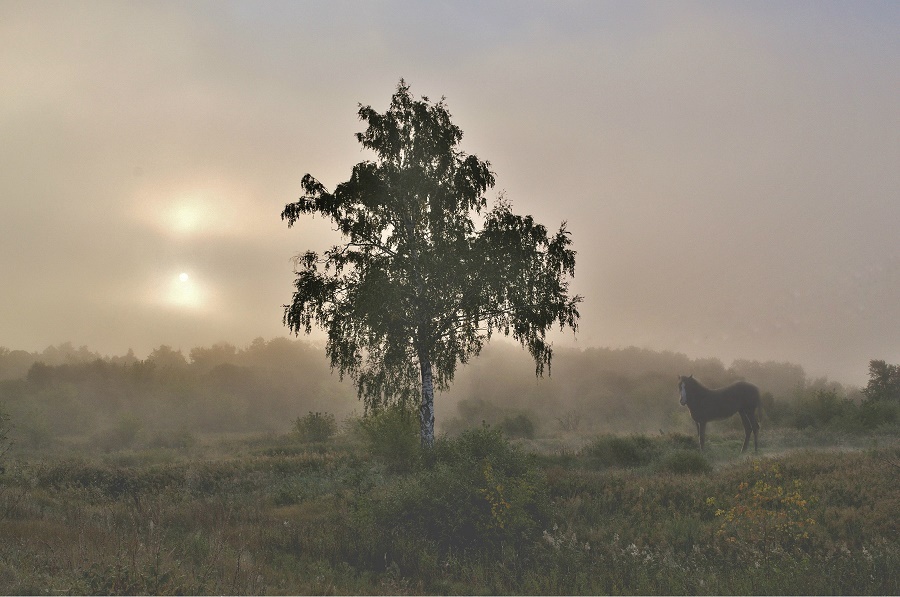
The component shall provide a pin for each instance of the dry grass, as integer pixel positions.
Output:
(266, 516)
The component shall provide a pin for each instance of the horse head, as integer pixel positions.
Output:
(682, 387)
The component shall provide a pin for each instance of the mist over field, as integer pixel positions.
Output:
(72, 394)
(248, 470)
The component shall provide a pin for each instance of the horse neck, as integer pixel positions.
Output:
(697, 391)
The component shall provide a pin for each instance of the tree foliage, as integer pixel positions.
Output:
(884, 382)
(415, 287)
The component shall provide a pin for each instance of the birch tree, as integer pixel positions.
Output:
(416, 287)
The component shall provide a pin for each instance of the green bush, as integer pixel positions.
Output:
(315, 427)
(615, 451)
(766, 515)
(392, 436)
(519, 426)
(826, 409)
(874, 414)
(682, 441)
(474, 493)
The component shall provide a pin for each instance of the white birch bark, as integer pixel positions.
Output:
(426, 409)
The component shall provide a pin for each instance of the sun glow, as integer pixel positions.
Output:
(184, 292)
(188, 217)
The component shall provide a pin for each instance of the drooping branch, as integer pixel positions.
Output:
(415, 289)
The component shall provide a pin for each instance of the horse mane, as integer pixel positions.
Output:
(690, 382)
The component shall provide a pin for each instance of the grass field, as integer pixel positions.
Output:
(365, 513)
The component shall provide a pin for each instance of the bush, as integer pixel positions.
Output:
(766, 515)
(392, 436)
(826, 409)
(874, 414)
(682, 441)
(519, 426)
(315, 427)
(613, 450)
(474, 493)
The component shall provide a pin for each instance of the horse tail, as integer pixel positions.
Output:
(759, 406)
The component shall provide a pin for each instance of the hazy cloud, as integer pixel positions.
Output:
(728, 170)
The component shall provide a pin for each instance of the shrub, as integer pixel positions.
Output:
(682, 441)
(519, 426)
(392, 436)
(766, 514)
(613, 450)
(826, 409)
(873, 413)
(474, 493)
(315, 427)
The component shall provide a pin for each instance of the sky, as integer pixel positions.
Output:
(728, 170)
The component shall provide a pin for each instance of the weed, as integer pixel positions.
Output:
(315, 427)
(766, 514)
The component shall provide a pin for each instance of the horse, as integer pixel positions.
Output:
(713, 405)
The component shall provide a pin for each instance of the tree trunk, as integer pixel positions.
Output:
(426, 409)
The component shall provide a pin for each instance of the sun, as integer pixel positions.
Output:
(185, 292)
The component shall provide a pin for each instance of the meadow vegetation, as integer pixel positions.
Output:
(509, 500)
(478, 514)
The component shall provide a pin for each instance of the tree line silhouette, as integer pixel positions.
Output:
(74, 394)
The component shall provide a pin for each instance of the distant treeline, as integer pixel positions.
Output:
(168, 396)
(121, 401)
(633, 390)
(629, 390)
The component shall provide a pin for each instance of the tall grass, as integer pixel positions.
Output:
(623, 515)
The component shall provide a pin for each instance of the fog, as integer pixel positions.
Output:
(728, 170)
(71, 396)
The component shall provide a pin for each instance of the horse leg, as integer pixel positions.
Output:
(747, 428)
(755, 423)
(701, 430)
